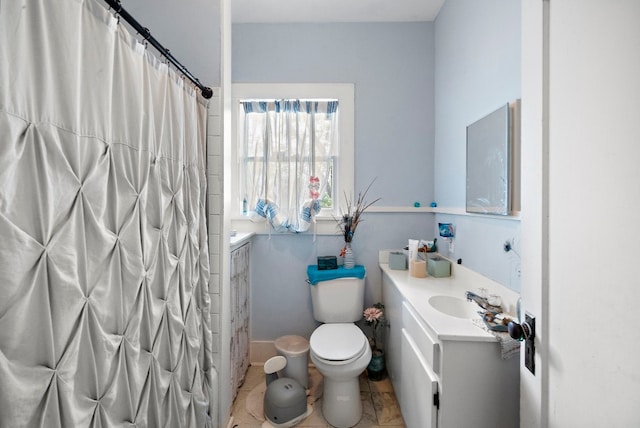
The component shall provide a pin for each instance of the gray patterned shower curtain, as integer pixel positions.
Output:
(104, 307)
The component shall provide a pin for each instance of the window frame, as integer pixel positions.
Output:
(345, 177)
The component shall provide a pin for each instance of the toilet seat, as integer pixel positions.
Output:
(338, 343)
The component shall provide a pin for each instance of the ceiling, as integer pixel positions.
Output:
(290, 11)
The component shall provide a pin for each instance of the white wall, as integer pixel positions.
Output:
(216, 252)
(534, 209)
(477, 70)
(594, 194)
(582, 62)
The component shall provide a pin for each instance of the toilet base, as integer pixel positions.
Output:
(341, 404)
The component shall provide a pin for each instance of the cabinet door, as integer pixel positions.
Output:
(423, 336)
(393, 312)
(419, 385)
(240, 289)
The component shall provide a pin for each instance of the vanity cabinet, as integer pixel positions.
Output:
(446, 381)
(240, 286)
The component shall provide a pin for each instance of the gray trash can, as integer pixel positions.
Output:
(296, 350)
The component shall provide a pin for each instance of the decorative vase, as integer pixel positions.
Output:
(349, 258)
(376, 368)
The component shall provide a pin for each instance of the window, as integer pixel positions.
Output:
(291, 140)
(288, 151)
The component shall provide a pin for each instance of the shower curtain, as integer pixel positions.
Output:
(104, 307)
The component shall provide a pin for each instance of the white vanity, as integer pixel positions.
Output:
(446, 371)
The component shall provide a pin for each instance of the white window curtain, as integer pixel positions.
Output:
(104, 307)
(289, 152)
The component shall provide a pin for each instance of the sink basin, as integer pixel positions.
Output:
(454, 306)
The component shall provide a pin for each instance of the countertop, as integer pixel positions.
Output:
(417, 292)
(239, 239)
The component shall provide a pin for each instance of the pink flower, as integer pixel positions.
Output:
(374, 317)
(372, 314)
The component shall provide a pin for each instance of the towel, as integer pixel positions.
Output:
(509, 347)
(316, 275)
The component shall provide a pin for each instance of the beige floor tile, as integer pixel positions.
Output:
(364, 382)
(379, 405)
(242, 424)
(368, 419)
(315, 419)
(383, 385)
(387, 409)
(241, 417)
(254, 376)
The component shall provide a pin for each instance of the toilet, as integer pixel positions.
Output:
(338, 348)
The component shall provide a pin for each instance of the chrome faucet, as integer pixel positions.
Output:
(482, 302)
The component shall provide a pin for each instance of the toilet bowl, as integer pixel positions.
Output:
(340, 353)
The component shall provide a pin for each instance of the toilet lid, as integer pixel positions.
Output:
(337, 342)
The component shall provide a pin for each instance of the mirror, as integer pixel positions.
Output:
(489, 163)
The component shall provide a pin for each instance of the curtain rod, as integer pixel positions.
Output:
(144, 32)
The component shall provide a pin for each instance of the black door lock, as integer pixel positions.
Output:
(527, 332)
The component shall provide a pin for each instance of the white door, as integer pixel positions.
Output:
(580, 210)
(419, 385)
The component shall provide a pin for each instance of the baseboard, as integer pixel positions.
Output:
(260, 351)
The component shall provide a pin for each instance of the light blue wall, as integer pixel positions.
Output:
(436, 78)
(190, 29)
(477, 69)
(392, 68)
(280, 299)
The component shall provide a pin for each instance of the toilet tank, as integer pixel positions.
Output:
(338, 300)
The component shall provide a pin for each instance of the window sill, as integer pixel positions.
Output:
(515, 216)
(327, 225)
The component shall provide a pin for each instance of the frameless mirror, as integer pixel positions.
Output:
(489, 163)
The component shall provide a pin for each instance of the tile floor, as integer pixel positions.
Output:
(380, 408)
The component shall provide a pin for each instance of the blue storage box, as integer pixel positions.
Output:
(327, 262)
(438, 267)
(397, 261)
